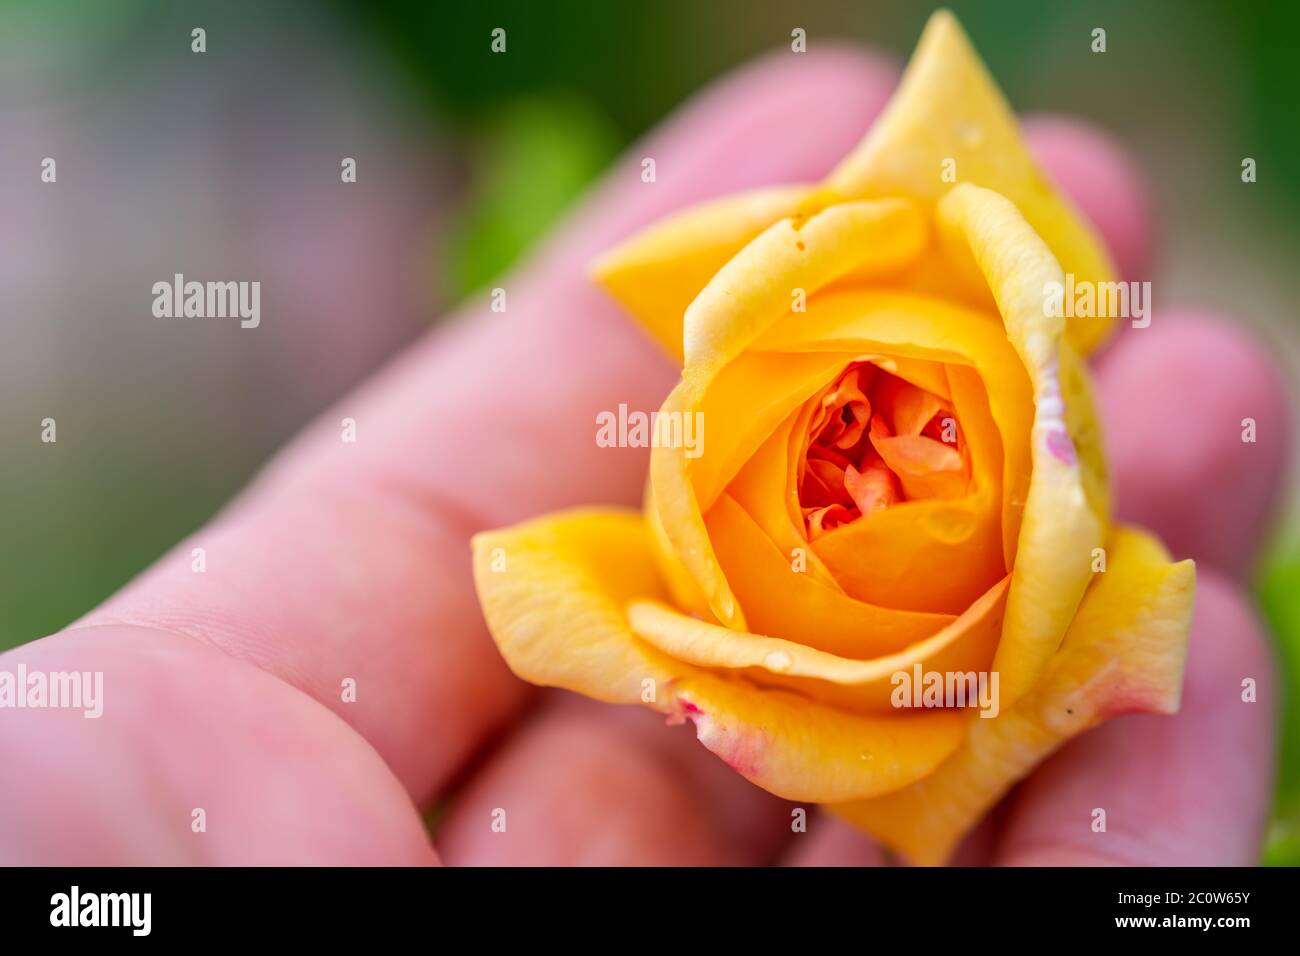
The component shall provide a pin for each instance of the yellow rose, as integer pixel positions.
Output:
(880, 477)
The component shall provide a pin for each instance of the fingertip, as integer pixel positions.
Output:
(1197, 426)
(1230, 653)
(784, 118)
(829, 841)
(799, 113)
(1229, 714)
(1102, 181)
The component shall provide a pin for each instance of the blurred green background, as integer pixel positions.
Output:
(467, 159)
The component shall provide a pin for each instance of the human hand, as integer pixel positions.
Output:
(223, 690)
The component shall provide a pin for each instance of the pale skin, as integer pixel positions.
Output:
(223, 690)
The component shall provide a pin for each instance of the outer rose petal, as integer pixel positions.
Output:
(557, 612)
(656, 273)
(858, 685)
(556, 607)
(1084, 427)
(681, 584)
(803, 751)
(678, 515)
(1060, 527)
(947, 107)
(754, 289)
(1124, 653)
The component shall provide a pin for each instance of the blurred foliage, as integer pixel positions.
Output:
(1283, 846)
(634, 62)
(531, 161)
(608, 53)
(1278, 588)
(1266, 32)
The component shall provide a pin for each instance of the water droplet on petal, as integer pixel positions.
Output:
(970, 136)
(778, 661)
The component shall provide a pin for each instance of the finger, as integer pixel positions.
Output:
(1176, 400)
(188, 757)
(832, 842)
(1189, 790)
(735, 137)
(348, 560)
(589, 785)
(1101, 180)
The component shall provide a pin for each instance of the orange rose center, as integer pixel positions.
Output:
(876, 440)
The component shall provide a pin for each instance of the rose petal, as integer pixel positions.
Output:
(685, 538)
(916, 327)
(907, 408)
(947, 109)
(1124, 653)
(966, 645)
(1060, 527)
(926, 468)
(557, 607)
(753, 291)
(873, 488)
(890, 557)
(553, 592)
(783, 602)
(734, 426)
(936, 555)
(743, 406)
(828, 518)
(657, 272)
(824, 484)
(766, 489)
(677, 577)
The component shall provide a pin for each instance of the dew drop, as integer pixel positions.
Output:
(778, 661)
(970, 136)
